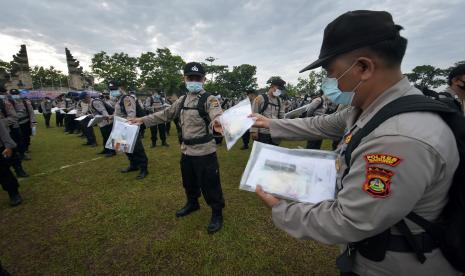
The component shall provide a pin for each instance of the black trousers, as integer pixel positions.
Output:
(59, 117)
(70, 123)
(201, 174)
(266, 139)
(88, 131)
(106, 131)
(47, 119)
(138, 158)
(161, 129)
(315, 144)
(168, 127)
(246, 138)
(26, 132)
(15, 133)
(7, 178)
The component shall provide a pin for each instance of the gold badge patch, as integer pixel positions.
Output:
(378, 182)
(380, 158)
(348, 138)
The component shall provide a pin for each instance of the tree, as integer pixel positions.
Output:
(48, 77)
(161, 71)
(236, 81)
(427, 76)
(119, 67)
(5, 65)
(311, 84)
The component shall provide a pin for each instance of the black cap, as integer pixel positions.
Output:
(457, 71)
(113, 85)
(250, 91)
(14, 91)
(194, 69)
(277, 81)
(354, 30)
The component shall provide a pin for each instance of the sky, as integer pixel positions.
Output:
(279, 37)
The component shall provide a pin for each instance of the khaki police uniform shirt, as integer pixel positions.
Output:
(46, 106)
(192, 125)
(11, 118)
(129, 105)
(153, 104)
(24, 111)
(98, 108)
(414, 155)
(317, 107)
(5, 138)
(272, 111)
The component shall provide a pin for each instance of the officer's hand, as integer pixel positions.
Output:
(7, 153)
(135, 121)
(260, 121)
(268, 199)
(254, 135)
(217, 127)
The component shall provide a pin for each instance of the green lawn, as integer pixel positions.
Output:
(90, 219)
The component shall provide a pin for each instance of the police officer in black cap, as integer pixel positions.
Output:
(271, 106)
(126, 107)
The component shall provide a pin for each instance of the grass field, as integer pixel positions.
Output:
(88, 218)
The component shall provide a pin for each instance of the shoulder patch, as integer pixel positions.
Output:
(381, 158)
(378, 182)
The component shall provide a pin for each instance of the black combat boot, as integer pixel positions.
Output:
(143, 173)
(20, 172)
(15, 198)
(191, 206)
(216, 221)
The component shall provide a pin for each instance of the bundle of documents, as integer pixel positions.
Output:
(123, 136)
(96, 120)
(81, 117)
(294, 174)
(72, 112)
(235, 122)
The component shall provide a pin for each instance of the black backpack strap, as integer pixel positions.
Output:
(202, 111)
(3, 108)
(403, 228)
(204, 115)
(121, 105)
(411, 103)
(266, 102)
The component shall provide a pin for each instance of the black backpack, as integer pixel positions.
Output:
(267, 102)
(203, 114)
(110, 109)
(139, 109)
(448, 232)
(444, 97)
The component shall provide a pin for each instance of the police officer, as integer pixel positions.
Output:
(251, 95)
(7, 179)
(125, 107)
(155, 104)
(70, 123)
(26, 120)
(402, 166)
(317, 107)
(270, 106)
(46, 106)
(85, 110)
(100, 107)
(456, 81)
(60, 103)
(199, 163)
(10, 118)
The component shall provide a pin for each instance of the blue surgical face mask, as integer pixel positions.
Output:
(330, 87)
(277, 93)
(194, 86)
(115, 93)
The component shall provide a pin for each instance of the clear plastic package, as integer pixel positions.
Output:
(123, 136)
(235, 122)
(295, 174)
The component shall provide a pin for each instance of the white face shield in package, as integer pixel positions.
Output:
(123, 136)
(295, 174)
(235, 122)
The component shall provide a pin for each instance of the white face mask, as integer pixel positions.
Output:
(277, 93)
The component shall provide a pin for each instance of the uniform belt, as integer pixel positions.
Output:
(399, 243)
(196, 141)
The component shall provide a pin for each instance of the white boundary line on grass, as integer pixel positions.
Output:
(62, 168)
